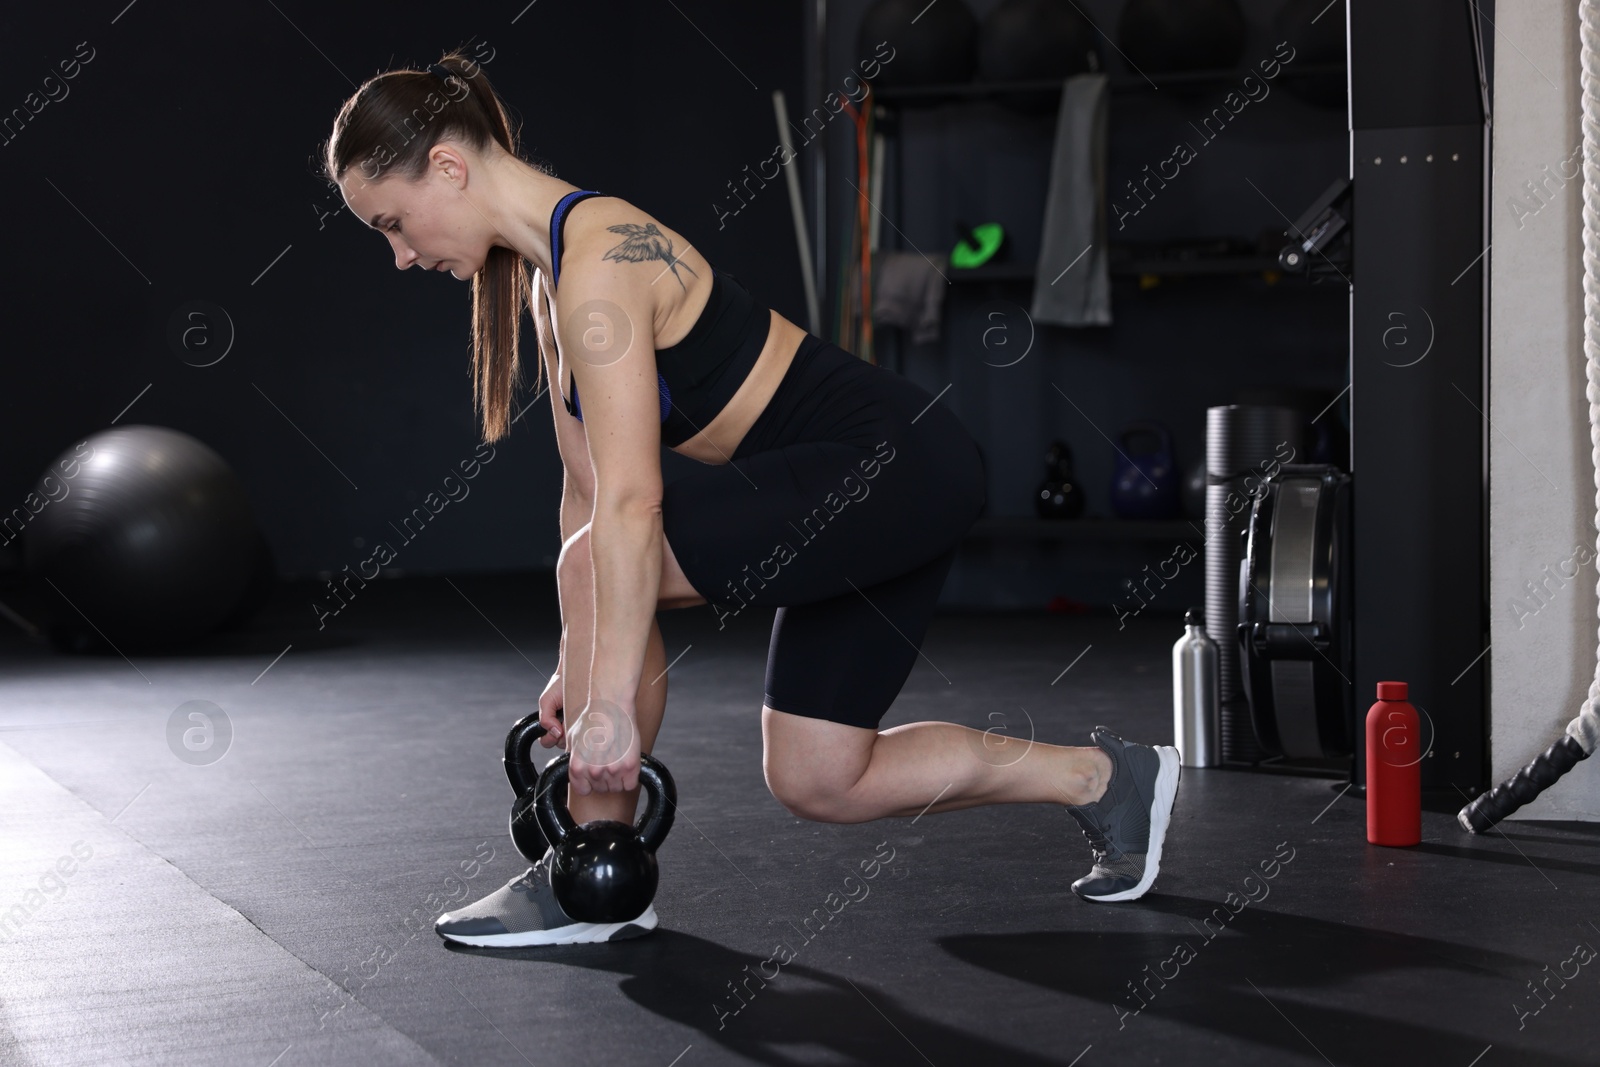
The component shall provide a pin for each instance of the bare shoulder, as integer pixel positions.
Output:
(611, 244)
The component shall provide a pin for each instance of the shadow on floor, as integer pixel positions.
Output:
(1258, 954)
(687, 979)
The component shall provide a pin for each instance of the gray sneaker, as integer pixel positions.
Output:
(1126, 826)
(524, 912)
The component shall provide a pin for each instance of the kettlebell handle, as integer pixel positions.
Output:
(661, 801)
(520, 770)
(1155, 429)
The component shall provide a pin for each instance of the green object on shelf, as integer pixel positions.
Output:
(977, 244)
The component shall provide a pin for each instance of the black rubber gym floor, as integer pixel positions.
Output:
(275, 906)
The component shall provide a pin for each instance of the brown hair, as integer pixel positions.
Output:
(409, 103)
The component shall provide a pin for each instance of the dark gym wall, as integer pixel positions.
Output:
(177, 167)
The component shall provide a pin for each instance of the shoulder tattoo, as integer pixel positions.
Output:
(645, 242)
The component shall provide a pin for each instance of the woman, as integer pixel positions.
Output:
(835, 491)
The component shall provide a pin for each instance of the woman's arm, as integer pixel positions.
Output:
(625, 539)
(575, 597)
(608, 343)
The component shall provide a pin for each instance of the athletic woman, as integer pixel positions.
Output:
(835, 492)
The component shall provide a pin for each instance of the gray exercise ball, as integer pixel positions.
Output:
(147, 534)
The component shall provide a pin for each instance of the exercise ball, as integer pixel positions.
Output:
(939, 46)
(1314, 40)
(148, 536)
(1028, 40)
(1035, 40)
(1169, 36)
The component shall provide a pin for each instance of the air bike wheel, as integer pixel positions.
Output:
(1294, 631)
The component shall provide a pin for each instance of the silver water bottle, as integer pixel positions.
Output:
(1195, 713)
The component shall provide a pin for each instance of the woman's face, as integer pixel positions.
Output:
(428, 222)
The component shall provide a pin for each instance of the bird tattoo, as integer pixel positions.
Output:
(646, 242)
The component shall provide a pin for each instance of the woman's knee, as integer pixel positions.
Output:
(575, 564)
(807, 799)
(812, 765)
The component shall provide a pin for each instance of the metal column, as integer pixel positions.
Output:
(1419, 140)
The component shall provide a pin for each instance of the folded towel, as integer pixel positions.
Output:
(908, 290)
(1073, 286)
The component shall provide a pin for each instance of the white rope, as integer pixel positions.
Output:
(1585, 729)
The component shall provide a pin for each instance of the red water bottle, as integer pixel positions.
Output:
(1394, 774)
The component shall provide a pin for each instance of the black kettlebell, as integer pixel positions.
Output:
(1058, 496)
(524, 778)
(603, 871)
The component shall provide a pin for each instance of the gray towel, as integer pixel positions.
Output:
(908, 290)
(1072, 286)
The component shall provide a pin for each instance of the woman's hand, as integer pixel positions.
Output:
(552, 703)
(605, 750)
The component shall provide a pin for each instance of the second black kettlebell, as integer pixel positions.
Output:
(524, 778)
(1058, 496)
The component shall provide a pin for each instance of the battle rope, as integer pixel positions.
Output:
(1583, 732)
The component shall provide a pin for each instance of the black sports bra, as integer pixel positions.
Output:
(697, 376)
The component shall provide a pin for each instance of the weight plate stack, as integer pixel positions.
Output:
(1244, 443)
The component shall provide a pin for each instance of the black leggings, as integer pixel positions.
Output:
(842, 507)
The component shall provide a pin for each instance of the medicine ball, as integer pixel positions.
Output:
(1167, 36)
(940, 46)
(1319, 41)
(147, 534)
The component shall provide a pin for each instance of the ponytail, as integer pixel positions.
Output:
(410, 101)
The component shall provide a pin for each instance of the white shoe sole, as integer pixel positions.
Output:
(1160, 816)
(571, 934)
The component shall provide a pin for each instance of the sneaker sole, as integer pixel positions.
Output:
(1160, 816)
(571, 934)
